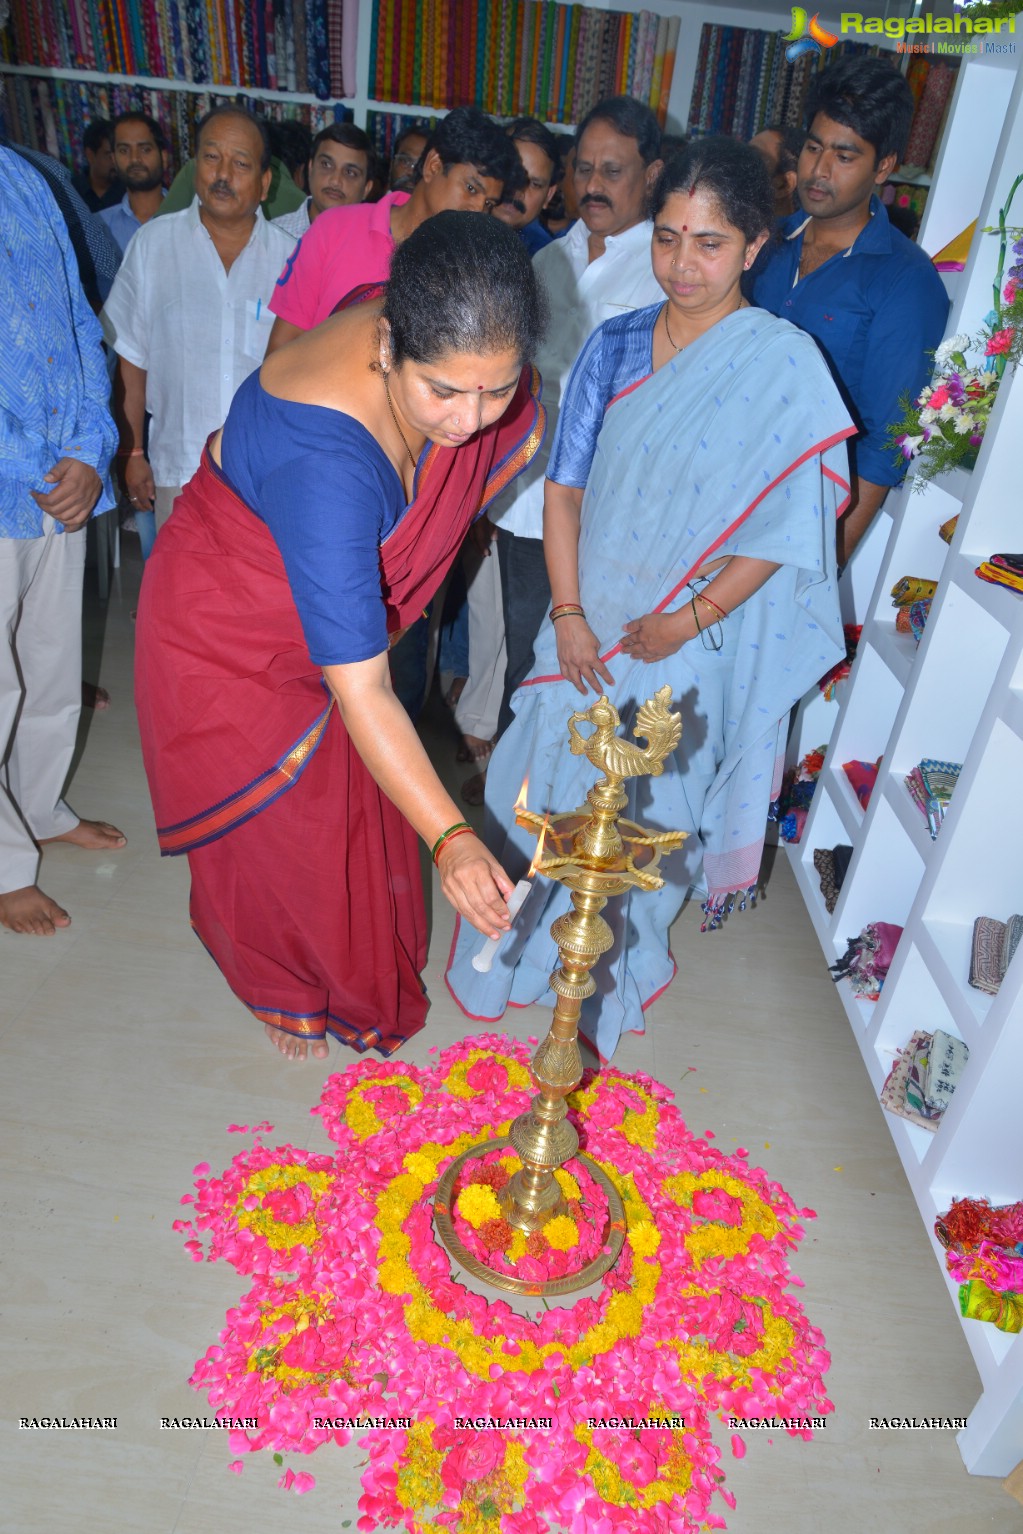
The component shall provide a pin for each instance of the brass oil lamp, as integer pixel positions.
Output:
(596, 855)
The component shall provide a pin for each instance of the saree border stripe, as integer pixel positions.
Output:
(219, 819)
(711, 550)
(514, 462)
(311, 1025)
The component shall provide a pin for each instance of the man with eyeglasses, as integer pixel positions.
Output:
(467, 166)
(408, 151)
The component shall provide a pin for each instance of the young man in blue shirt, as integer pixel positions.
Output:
(837, 269)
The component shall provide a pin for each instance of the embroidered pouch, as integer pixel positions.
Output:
(986, 955)
(1010, 942)
(947, 1057)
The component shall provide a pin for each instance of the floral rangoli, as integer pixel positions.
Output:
(589, 1415)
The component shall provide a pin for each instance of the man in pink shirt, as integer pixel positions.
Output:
(468, 165)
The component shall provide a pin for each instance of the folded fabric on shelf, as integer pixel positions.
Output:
(895, 1094)
(831, 865)
(948, 1056)
(1010, 941)
(997, 576)
(862, 776)
(986, 955)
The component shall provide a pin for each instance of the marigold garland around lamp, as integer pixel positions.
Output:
(597, 855)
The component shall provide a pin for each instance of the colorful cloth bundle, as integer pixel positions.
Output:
(863, 777)
(790, 808)
(984, 1253)
(867, 959)
(912, 588)
(930, 786)
(1003, 570)
(912, 619)
(830, 680)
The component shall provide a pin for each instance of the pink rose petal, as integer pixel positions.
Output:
(738, 1446)
(236, 1467)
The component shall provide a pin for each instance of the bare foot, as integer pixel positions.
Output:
(294, 1048)
(93, 835)
(473, 749)
(29, 910)
(474, 789)
(94, 697)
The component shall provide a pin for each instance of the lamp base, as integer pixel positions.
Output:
(613, 1236)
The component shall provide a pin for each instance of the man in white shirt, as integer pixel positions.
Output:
(188, 312)
(600, 268)
(340, 171)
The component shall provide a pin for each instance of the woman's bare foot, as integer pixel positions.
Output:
(94, 835)
(294, 1048)
(29, 910)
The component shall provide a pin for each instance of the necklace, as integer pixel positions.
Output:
(742, 304)
(667, 331)
(394, 418)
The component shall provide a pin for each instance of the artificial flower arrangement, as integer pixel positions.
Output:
(943, 428)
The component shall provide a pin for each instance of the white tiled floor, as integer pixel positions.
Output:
(125, 1058)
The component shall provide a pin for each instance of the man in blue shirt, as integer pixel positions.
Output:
(56, 439)
(870, 298)
(521, 209)
(140, 154)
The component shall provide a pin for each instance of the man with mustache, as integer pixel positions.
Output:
(538, 150)
(600, 268)
(140, 155)
(869, 297)
(188, 313)
(340, 172)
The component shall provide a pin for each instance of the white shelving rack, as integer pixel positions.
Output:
(956, 697)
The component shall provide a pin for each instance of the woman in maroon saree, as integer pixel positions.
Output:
(322, 519)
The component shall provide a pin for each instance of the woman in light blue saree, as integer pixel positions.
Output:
(693, 488)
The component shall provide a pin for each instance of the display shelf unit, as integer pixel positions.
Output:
(957, 696)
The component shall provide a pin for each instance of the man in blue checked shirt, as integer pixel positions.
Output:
(56, 440)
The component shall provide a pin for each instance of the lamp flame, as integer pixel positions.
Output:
(538, 854)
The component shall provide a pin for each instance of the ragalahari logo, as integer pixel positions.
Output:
(806, 36)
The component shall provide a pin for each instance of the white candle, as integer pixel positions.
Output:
(484, 957)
